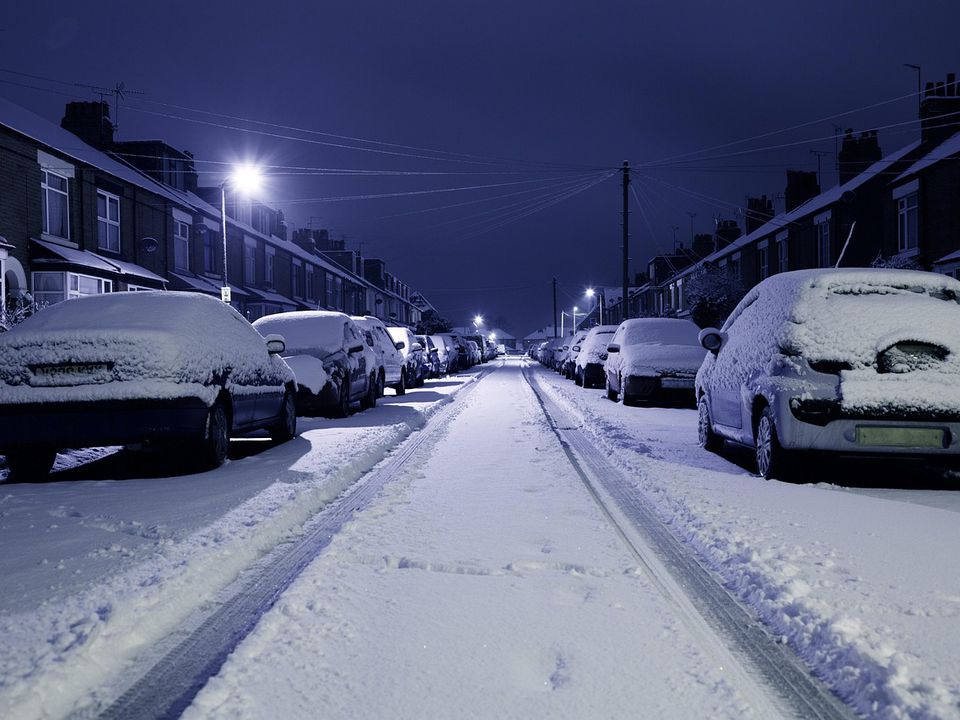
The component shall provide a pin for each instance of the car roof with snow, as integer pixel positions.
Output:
(306, 330)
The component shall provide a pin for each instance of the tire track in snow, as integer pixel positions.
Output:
(771, 675)
(168, 687)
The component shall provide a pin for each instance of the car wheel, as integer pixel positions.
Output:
(286, 425)
(30, 464)
(373, 391)
(624, 398)
(343, 403)
(707, 438)
(611, 393)
(216, 438)
(578, 379)
(771, 458)
(381, 384)
(402, 387)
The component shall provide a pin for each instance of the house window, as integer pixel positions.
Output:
(783, 256)
(209, 251)
(311, 284)
(680, 294)
(297, 278)
(55, 204)
(269, 257)
(824, 251)
(735, 265)
(108, 221)
(181, 245)
(908, 223)
(54, 287)
(763, 256)
(250, 261)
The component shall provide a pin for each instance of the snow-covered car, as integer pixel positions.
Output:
(329, 355)
(431, 357)
(568, 357)
(130, 368)
(588, 367)
(444, 346)
(481, 344)
(385, 346)
(853, 362)
(412, 352)
(474, 351)
(457, 351)
(653, 359)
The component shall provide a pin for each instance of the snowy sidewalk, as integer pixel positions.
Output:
(485, 583)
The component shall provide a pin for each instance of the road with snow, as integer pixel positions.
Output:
(501, 544)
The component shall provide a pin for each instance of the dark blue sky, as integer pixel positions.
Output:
(542, 93)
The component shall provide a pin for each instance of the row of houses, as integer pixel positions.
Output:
(82, 213)
(905, 206)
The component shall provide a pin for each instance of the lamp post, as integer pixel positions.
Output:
(592, 293)
(245, 179)
(574, 330)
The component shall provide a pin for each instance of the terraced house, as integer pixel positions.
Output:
(82, 213)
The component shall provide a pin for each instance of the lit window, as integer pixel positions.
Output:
(181, 245)
(908, 223)
(108, 221)
(55, 204)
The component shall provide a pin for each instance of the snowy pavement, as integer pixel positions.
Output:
(484, 583)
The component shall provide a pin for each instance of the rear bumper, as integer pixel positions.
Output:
(593, 375)
(644, 388)
(86, 424)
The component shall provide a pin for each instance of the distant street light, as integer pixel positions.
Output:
(590, 294)
(574, 331)
(246, 179)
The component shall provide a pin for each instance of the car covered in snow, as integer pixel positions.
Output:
(132, 368)
(431, 357)
(385, 347)
(845, 361)
(412, 351)
(446, 353)
(568, 357)
(588, 365)
(652, 359)
(330, 357)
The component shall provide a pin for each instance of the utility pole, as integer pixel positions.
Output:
(554, 307)
(819, 154)
(626, 238)
(692, 216)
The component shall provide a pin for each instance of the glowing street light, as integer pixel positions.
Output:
(575, 308)
(590, 293)
(246, 179)
(478, 320)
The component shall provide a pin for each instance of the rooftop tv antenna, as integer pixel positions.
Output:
(119, 92)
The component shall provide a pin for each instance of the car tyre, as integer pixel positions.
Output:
(578, 379)
(402, 386)
(612, 394)
(771, 457)
(373, 388)
(216, 438)
(342, 409)
(707, 438)
(286, 426)
(30, 464)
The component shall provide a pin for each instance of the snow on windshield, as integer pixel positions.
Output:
(596, 344)
(307, 331)
(660, 331)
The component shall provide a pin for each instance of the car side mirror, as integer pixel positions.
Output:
(356, 349)
(603, 356)
(576, 348)
(712, 339)
(416, 346)
(275, 344)
(613, 348)
(400, 345)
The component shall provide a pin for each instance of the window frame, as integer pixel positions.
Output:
(45, 188)
(105, 221)
(181, 240)
(908, 219)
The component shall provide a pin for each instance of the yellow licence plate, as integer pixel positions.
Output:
(900, 437)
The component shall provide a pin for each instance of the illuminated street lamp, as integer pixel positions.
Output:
(575, 308)
(247, 180)
(590, 294)
(478, 320)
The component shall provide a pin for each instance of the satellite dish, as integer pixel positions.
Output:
(149, 244)
(848, 198)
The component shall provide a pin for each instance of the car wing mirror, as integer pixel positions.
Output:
(576, 348)
(613, 348)
(355, 349)
(400, 345)
(712, 339)
(416, 346)
(275, 344)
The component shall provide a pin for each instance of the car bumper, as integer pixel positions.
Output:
(87, 424)
(643, 388)
(593, 375)
(866, 436)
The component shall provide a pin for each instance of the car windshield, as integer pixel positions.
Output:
(661, 332)
(307, 331)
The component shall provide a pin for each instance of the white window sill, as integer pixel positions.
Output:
(59, 241)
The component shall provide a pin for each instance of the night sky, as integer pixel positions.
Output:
(534, 100)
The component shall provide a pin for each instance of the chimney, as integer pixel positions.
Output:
(759, 211)
(938, 120)
(726, 232)
(89, 121)
(801, 186)
(857, 154)
(703, 244)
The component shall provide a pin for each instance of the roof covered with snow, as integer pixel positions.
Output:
(944, 150)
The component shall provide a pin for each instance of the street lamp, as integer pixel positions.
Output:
(591, 293)
(245, 179)
(477, 320)
(574, 331)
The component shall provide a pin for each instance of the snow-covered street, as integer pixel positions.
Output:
(494, 573)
